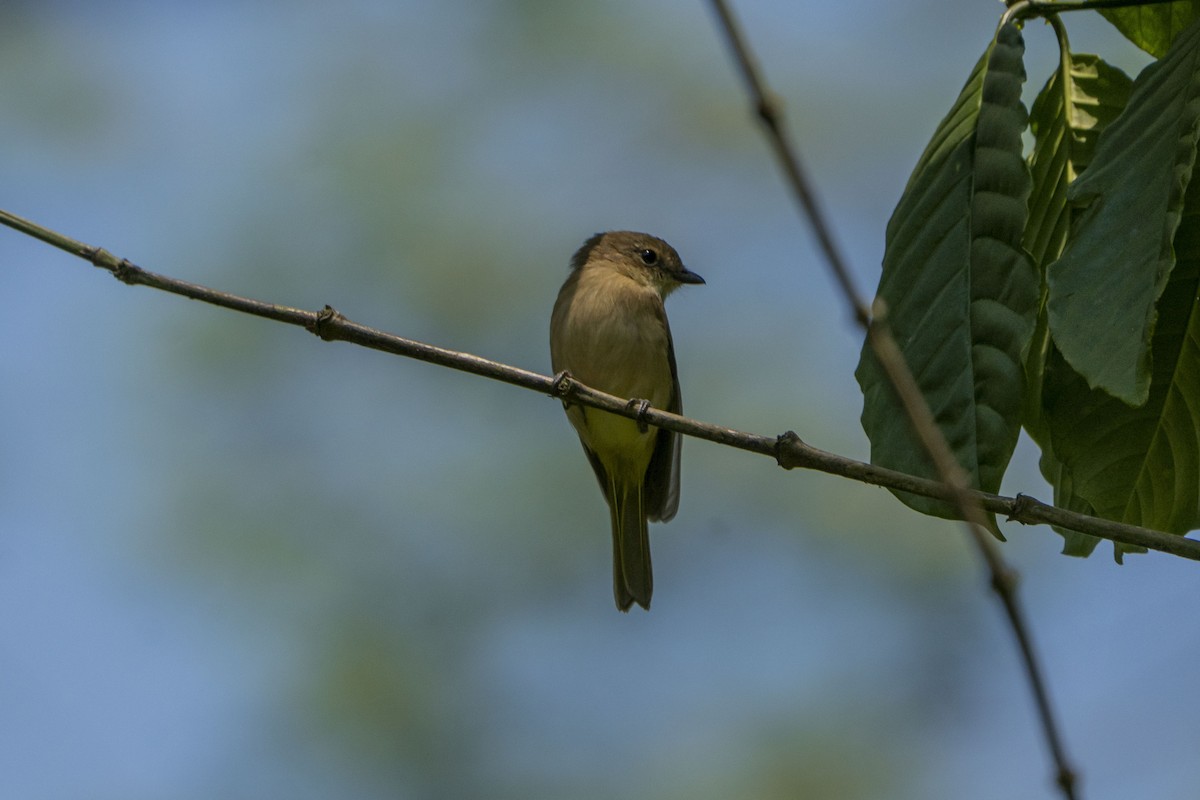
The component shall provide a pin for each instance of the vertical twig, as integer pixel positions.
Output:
(890, 358)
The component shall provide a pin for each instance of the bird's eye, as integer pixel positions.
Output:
(649, 257)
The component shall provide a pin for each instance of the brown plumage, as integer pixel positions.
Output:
(609, 330)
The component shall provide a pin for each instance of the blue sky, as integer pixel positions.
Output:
(239, 561)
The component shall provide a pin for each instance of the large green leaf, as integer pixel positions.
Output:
(1128, 204)
(960, 291)
(1140, 465)
(1154, 28)
(1081, 98)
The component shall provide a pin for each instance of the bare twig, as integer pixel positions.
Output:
(891, 360)
(788, 450)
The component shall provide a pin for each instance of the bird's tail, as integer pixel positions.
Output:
(633, 578)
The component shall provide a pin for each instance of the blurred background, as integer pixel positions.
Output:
(236, 561)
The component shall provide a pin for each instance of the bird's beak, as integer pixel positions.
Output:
(687, 276)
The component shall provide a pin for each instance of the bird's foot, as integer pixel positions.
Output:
(563, 385)
(642, 407)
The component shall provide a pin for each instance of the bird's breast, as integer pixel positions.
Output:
(613, 337)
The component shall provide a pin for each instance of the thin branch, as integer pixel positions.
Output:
(891, 360)
(788, 450)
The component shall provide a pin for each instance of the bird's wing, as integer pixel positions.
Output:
(662, 476)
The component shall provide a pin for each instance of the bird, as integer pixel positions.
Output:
(609, 331)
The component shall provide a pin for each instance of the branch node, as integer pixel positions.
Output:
(785, 450)
(642, 407)
(1021, 504)
(125, 271)
(325, 324)
(1066, 781)
(862, 315)
(563, 385)
(1004, 580)
(767, 109)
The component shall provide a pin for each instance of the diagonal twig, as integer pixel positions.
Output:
(788, 450)
(890, 358)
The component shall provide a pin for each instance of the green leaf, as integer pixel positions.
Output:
(1077, 103)
(1154, 28)
(960, 292)
(1079, 100)
(1141, 465)
(1058, 476)
(1127, 205)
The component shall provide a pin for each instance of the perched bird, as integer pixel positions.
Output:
(609, 331)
